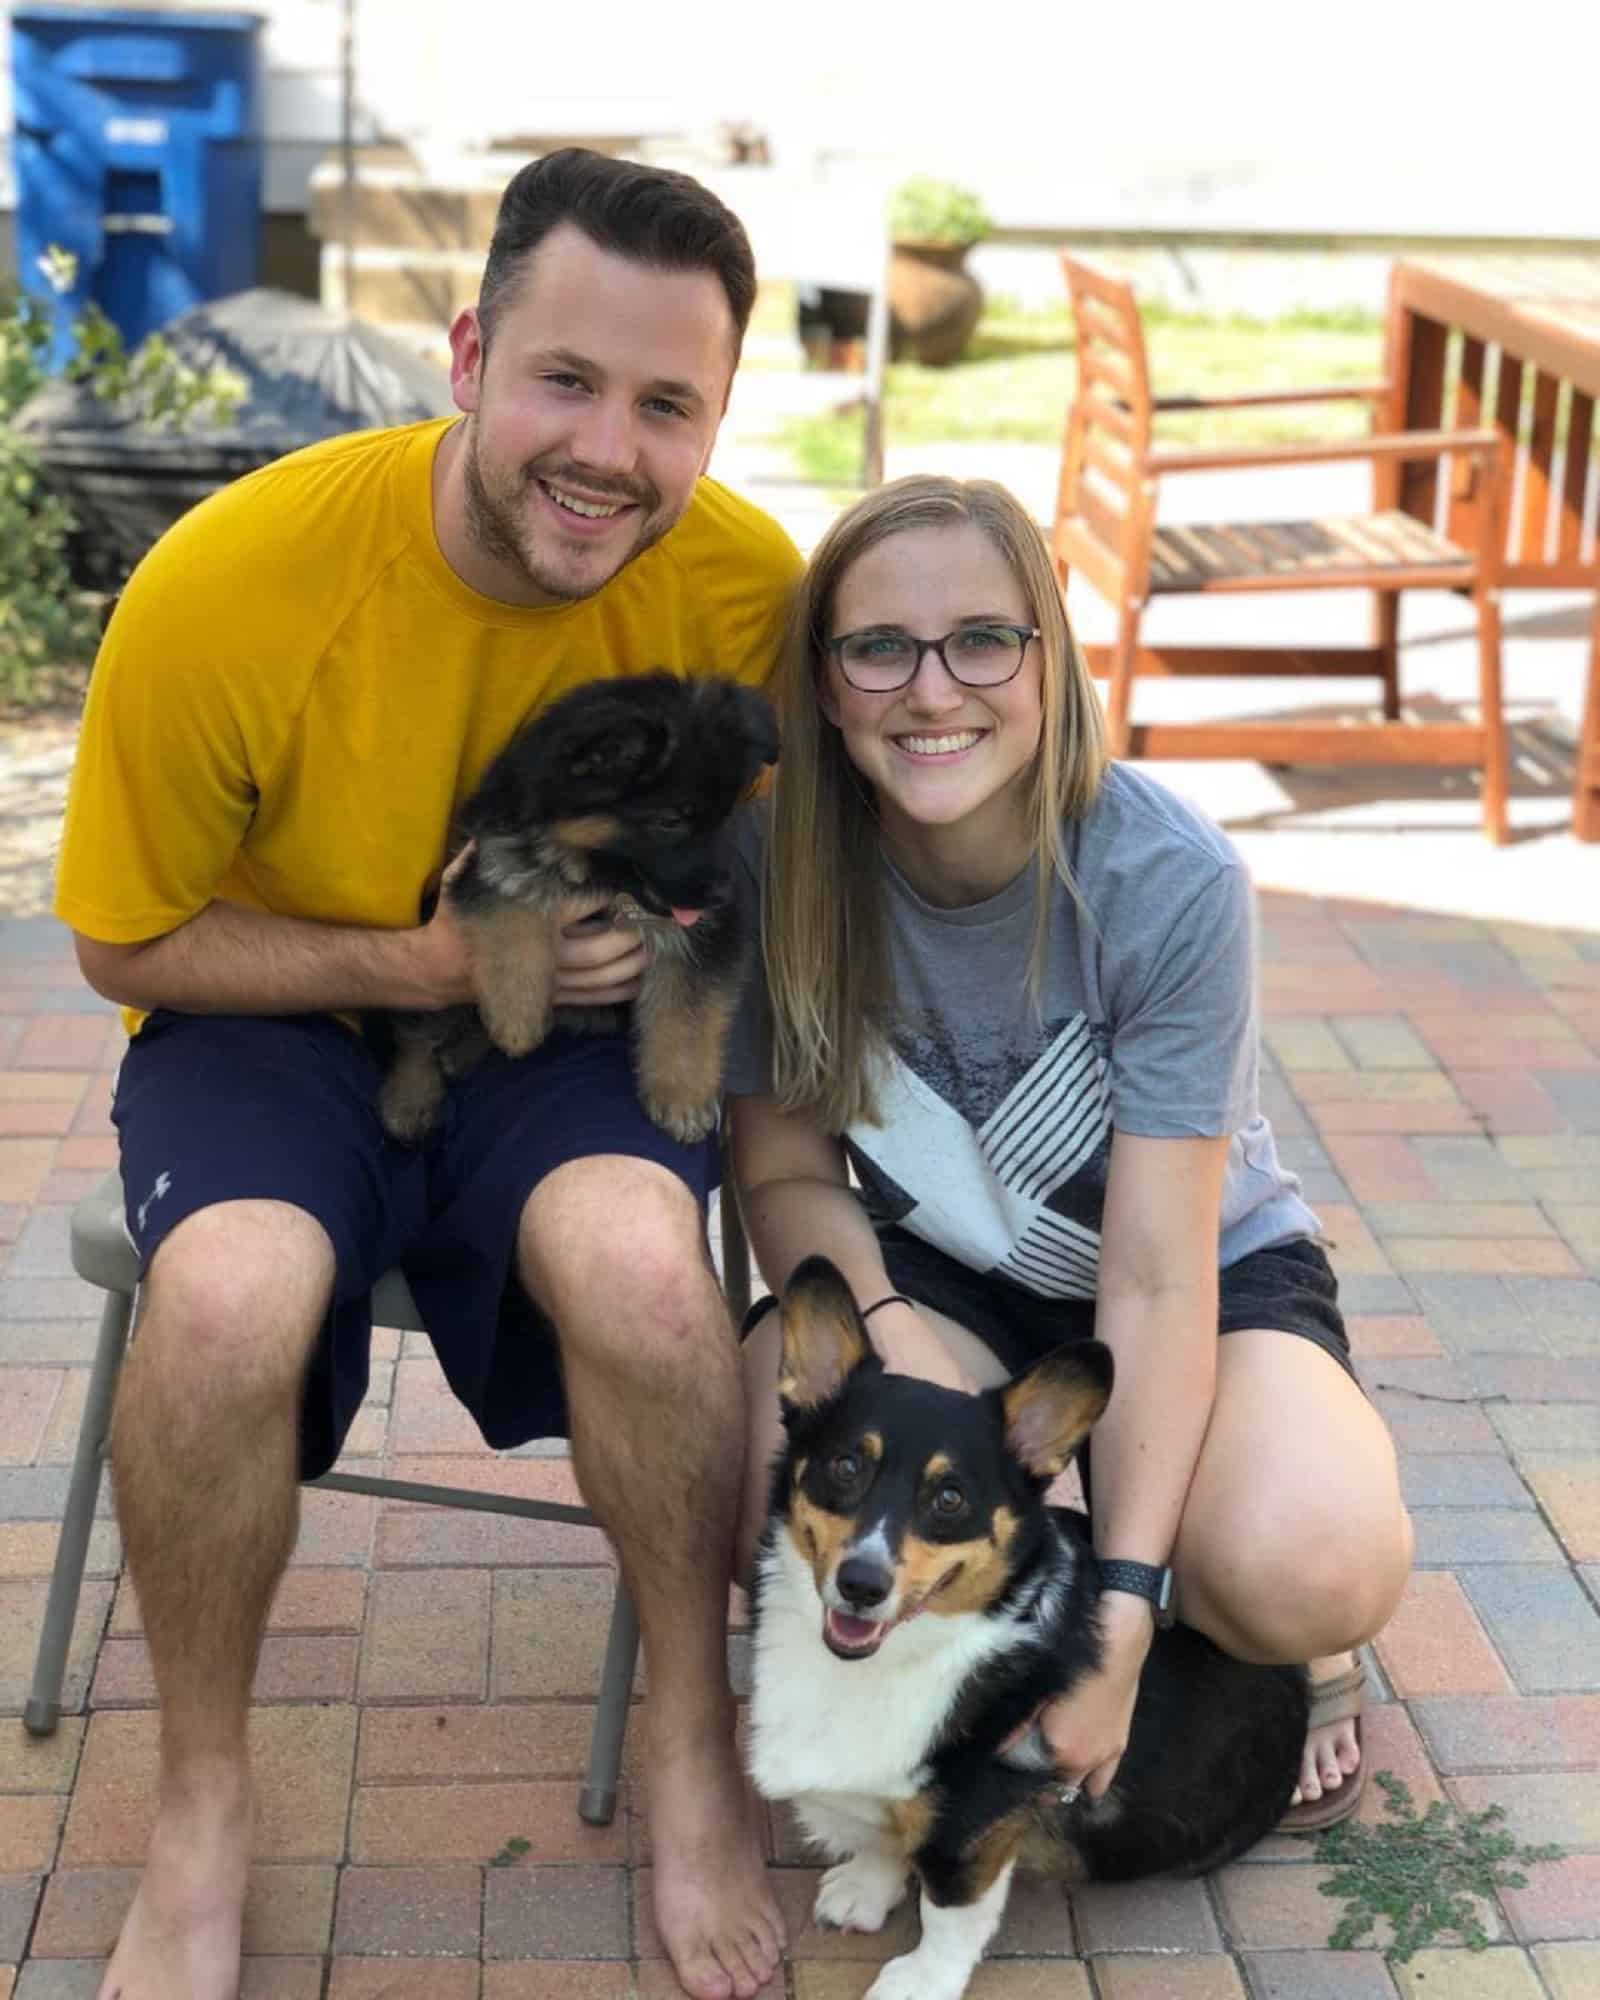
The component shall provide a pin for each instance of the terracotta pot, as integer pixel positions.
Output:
(934, 301)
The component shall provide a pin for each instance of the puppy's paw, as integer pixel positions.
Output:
(408, 1108)
(687, 1121)
(858, 1894)
(516, 1025)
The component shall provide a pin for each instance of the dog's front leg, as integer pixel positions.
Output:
(681, 1023)
(513, 951)
(954, 1936)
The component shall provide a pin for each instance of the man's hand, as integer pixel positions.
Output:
(1086, 1731)
(443, 961)
(598, 963)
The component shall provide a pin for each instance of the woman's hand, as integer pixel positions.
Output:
(1086, 1731)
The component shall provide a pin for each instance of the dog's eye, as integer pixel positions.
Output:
(844, 1468)
(671, 822)
(949, 1501)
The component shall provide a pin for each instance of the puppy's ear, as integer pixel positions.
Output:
(824, 1337)
(760, 725)
(1050, 1410)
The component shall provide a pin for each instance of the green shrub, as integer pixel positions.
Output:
(44, 621)
(925, 210)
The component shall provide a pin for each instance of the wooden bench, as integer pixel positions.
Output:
(1105, 528)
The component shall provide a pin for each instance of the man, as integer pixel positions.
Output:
(302, 681)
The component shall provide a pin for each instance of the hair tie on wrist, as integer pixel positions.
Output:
(889, 1299)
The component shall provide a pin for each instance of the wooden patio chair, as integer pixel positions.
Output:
(1106, 528)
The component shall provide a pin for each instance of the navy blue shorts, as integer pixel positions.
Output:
(235, 1107)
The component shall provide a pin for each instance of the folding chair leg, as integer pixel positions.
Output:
(43, 1709)
(1491, 714)
(1386, 637)
(597, 1802)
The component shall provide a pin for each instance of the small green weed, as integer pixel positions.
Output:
(1421, 1873)
(511, 1853)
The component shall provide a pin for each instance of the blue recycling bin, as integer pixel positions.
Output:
(138, 149)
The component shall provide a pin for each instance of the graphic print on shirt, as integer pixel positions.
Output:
(1004, 1173)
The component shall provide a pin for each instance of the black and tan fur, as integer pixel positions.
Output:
(916, 1600)
(622, 788)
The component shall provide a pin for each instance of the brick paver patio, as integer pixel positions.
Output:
(426, 1688)
(425, 1691)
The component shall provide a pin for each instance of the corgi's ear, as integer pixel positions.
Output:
(1049, 1410)
(824, 1337)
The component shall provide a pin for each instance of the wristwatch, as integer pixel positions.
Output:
(1140, 1580)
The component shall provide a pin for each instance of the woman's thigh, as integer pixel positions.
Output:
(1295, 1541)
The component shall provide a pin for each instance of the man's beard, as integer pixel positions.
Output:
(497, 524)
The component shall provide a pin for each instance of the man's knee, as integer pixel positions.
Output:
(616, 1247)
(234, 1298)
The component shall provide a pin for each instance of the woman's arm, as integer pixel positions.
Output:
(1156, 1308)
(795, 1194)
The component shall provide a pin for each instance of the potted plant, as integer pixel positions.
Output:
(934, 301)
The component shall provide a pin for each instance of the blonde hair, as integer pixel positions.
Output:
(823, 927)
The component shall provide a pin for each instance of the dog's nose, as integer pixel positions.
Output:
(863, 1582)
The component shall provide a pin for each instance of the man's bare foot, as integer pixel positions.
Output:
(1333, 1752)
(180, 1938)
(716, 1913)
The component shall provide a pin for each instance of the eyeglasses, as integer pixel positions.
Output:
(881, 658)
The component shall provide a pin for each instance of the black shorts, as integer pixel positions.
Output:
(1286, 1288)
(233, 1107)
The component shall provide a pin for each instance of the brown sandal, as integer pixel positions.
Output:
(1340, 1698)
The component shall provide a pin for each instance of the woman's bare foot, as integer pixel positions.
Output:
(716, 1913)
(180, 1938)
(1332, 1753)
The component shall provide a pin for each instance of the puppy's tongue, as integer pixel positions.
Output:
(688, 918)
(851, 1638)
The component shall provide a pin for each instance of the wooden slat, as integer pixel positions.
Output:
(1111, 458)
(1418, 486)
(1106, 413)
(1093, 501)
(1107, 364)
(1575, 478)
(1461, 513)
(1313, 743)
(1224, 662)
(1099, 564)
(1535, 509)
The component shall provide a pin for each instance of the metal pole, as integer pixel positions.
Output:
(347, 143)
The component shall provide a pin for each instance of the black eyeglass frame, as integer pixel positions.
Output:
(1023, 634)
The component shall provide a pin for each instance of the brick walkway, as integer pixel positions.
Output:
(425, 1692)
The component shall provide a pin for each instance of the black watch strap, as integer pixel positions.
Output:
(1140, 1580)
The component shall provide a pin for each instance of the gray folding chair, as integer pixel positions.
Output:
(102, 1254)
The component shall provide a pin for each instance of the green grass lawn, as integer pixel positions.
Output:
(1016, 380)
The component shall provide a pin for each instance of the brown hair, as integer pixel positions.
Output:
(651, 214)
(823, 924)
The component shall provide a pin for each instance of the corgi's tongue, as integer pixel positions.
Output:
(851, 1638)
(688, 918)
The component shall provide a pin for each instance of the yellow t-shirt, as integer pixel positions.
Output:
(297, 691)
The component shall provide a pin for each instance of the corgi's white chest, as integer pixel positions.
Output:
(822, 1724)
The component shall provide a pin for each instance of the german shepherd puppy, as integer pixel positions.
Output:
(915, 1602)
(623, 787)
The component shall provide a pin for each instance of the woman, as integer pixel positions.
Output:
(1011, 987)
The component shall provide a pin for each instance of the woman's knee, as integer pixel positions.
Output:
(1311, 1581)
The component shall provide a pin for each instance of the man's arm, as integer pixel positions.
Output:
(229, 959)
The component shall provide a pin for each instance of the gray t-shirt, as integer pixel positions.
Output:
(997, 1113)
